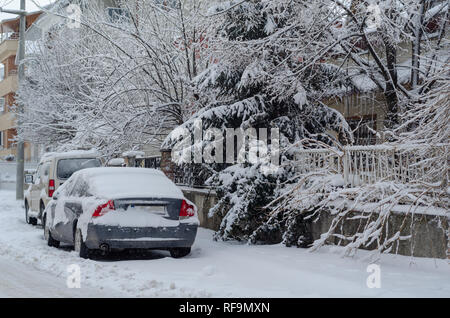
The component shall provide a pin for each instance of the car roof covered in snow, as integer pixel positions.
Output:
(70, 154)
(94, 172)
(123, 183)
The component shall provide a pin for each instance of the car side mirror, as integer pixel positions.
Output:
(29, 179)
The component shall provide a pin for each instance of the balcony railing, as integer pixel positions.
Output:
(9, 36)
(360, 165)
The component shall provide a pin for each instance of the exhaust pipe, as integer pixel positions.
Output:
(104, 248)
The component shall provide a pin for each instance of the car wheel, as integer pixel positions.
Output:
(29, 220)
(48, 235)
(80, 246)
(180, 252)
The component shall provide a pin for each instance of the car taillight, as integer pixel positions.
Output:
(187, 210)
(103, 209)
(51, 188)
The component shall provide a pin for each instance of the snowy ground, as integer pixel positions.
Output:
(18, 280)
(29, 268)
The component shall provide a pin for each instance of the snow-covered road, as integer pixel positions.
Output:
(21, 281)
(29, 268)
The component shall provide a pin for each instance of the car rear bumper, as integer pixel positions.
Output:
(115, 237)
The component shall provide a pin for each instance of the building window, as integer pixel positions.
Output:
(2, 105)
(1, 139)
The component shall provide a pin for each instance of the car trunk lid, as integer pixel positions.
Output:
(164, 208)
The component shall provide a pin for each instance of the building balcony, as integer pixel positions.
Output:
(9, 84)
(7, 121)
(8, 48)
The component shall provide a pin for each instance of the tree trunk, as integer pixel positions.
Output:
(390, 92)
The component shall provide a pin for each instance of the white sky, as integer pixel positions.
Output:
(15, 4)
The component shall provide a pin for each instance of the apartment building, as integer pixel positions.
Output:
(9, 42)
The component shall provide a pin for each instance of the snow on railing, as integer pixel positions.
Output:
(9, 36)
(360, 165)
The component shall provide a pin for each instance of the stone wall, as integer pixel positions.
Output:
(429, 233)
(204, 199)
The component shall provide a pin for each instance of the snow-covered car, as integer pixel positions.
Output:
(53, 170)
(121, 208)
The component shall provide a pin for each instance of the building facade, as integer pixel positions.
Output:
(8, 86)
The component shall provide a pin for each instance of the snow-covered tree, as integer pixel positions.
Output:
(117, 82)
(421, 137)
(274, 62)
(393, 43)
(258, 80)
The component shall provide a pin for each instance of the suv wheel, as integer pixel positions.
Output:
(80, 246)
(29, 220)
(48, 235)
(180, 252)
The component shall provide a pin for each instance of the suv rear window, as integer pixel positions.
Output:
(67, 167)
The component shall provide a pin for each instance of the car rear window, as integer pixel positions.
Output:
(67, 167)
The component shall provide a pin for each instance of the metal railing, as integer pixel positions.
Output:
(151, 162)
(360, 165)
(9, 36)
(191, 175)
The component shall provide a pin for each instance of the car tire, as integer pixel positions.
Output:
(48, 235)
(80, 246)
(180, 252)
(29, 220)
